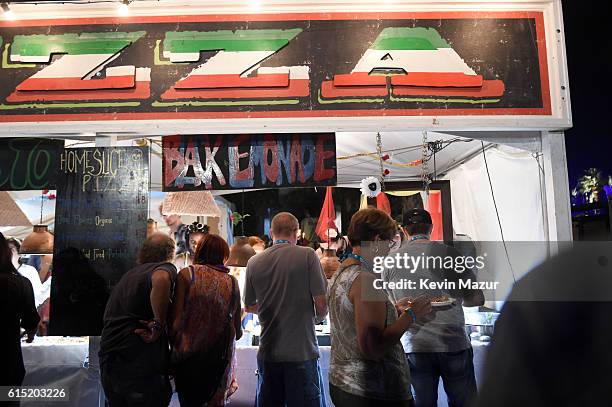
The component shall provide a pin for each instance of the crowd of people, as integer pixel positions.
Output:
(388, 348)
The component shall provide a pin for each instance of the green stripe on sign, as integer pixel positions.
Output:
(405, 38)
(227, 40)
(73, 44)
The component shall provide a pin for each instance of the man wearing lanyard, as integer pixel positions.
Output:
(286, 287)
(438, 348)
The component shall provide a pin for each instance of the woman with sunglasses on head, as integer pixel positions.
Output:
(195, 232)
(368, 366)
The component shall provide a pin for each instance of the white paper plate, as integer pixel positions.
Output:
(446, 303)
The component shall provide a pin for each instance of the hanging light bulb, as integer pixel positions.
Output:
(8, 13)
(124, 10)
(40, 241)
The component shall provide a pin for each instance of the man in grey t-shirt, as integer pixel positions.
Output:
(439, 347)
(286, 287)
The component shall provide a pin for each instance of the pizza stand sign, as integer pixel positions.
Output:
(279, 66)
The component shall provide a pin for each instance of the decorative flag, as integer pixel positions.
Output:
(327, 218)
(382, 203)
(434, 207)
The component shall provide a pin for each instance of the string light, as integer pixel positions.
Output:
(8, 13)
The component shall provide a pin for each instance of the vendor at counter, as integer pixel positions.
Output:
(178, 230)
(194, 234)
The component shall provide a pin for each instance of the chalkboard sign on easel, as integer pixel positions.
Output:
(29, 163)
(100, 224)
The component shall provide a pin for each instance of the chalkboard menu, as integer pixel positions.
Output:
(29, 163)
(100, 224)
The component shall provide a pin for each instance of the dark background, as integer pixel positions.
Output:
(589, 50)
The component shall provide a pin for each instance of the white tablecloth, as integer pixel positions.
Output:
(50, 362)
(247, 379)
(61, 363)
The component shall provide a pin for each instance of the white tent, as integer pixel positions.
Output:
(515, 176)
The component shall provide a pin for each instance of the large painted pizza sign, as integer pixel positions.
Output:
(306, 65)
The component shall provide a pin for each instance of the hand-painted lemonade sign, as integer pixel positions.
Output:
(325, 65)
(248, 161)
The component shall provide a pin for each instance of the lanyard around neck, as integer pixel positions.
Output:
(419, 237)
(358, 258)
(281, 241)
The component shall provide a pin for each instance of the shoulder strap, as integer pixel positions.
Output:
(192, 271)
(230, 316)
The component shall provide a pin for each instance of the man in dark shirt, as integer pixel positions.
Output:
(18, 311)
(134, 347)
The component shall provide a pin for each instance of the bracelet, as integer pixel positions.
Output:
(410, 312)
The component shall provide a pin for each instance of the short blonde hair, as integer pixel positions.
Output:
(284, 224)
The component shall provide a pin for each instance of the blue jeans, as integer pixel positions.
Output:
(456, 370)
(291, 384)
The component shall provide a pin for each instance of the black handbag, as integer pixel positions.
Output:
(198, 376)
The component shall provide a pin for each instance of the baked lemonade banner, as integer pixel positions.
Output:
(306, 65)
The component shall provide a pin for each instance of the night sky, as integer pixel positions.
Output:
(589, 46)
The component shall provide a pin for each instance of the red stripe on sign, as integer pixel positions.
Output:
(359, 79)
(280, 80)
(489, 89)
(328, 90)
(273, 114)
(296, 88)
(438, 80)
(140, 91)
(45, 84)
(204, 18)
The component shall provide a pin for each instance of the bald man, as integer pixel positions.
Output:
(134, 347)
(286, 287)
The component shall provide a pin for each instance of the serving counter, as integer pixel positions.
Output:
(66, 362)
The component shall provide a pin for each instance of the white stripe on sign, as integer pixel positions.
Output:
(440, 60)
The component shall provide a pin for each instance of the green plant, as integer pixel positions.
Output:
(590, 184)
(237, 217)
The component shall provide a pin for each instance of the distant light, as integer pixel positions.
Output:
(8, 13)
(124, 10)
(255, 4)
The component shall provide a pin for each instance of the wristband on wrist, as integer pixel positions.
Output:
(410, 312)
